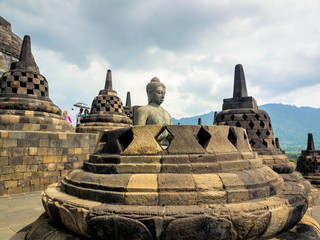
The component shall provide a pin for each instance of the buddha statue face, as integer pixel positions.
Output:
(156, 91)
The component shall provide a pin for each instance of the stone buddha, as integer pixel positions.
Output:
(153, 113)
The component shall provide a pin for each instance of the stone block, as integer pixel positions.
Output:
(42, 151)
(8, 169)
(57, 159)
(33, 151)
(141, 198)
(4, 134)
(48, 159)
(143, 183)
(206, 167)
(212, 197)
(71, 151)
(176, 182)
(10, 184)
(231, 181)
(176, 168)
(5, 152)
(17, 176)
(175, 159)
(238, 195)
(44, 143)
(9, 143)
(177, 198)
(52, 151)
(15, 161)
(5, 177)
(4, 161)
(20, 168)
(234, 165)
(15, 190)
(208, 182)
(140, 159)
(52, 167)
(16, 135)
(32, 168)
(138, 168)
(78, 151)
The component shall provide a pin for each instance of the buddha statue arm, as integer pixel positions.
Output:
(140, 116)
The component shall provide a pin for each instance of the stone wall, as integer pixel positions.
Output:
(30, 161)
(10, 45)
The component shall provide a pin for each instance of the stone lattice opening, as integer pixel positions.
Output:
(268, 133)
(125, 139)
(258, 133)
(264, 142)
(262, 124)
(203, 137)
(232, 136)
(245, 117)
(257, 116)
(251, 125)
(252, 143)
(164, 138)
(238, 124)
(232, 117)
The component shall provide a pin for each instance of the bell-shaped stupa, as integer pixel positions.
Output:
(24, 97)
(308, 163)
(207, 184)
(242, 111)
(128, 110)
(106, 111)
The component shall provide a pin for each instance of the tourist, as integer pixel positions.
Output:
(86, 112)
(79, 117)
(67, 116)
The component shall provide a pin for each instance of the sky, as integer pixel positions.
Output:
(191, 46)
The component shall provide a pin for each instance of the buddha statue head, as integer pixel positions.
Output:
(156, 91)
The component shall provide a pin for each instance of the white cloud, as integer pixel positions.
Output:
(191, 46)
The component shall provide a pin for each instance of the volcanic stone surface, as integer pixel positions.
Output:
(242, 111)
(106, 113)
(207, 184)
(24, 97)
(308, 163)
(10, 46)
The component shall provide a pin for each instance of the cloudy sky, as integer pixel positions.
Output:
(191, 46)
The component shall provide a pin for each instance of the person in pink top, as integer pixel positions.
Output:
(67, 116)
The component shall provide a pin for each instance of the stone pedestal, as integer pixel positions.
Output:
(207, 184)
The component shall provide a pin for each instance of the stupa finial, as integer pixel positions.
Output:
(310, 142)
(240, 87)
(128, 100)
(26, 60)
(108, 85)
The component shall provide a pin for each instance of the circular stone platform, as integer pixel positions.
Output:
(208, 184)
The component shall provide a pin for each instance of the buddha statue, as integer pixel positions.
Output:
(153, 113)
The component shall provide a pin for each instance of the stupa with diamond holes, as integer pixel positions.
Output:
(24, 97)
(106, 112)
(308, 163)
(242, 111)
(128, 110)
(207, 184)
